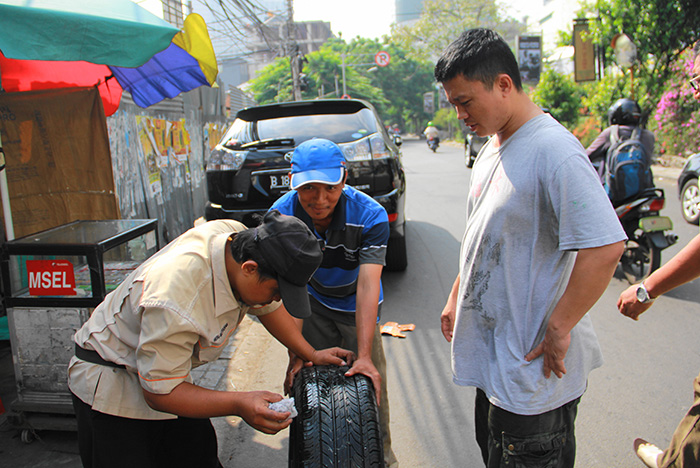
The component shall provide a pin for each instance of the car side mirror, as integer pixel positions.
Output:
(397, 140)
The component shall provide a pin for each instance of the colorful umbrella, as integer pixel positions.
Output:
(114, 44)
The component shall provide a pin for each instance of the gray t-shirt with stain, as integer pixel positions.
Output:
(532, 204)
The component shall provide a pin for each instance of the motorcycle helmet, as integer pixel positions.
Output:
(430, 124)
(624, 112)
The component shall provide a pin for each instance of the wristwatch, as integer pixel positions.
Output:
(643, 295)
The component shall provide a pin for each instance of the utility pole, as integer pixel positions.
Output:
(292, 51)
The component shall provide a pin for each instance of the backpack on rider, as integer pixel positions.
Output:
(627, 164)
(628, 167)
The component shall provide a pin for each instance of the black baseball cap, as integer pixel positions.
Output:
(294, 253)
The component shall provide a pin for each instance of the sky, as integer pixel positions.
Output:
(365, 18)
(373, 18)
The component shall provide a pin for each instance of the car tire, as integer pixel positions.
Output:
(396, 256)
(690, 202)
(338, 421)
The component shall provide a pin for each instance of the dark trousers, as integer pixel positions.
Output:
(512, 440)
(106, 441)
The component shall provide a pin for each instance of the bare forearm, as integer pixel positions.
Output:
(589, 278)
(287, 330)
(366, 306)
(366, 324)
(454, 293)
(449, 312)
(682, 268)
(192, 401)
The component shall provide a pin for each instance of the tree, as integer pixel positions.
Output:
(443, 20)
(395, 90)
(402, 82)
(560, 95)
(273, 83)
(661, 30)
(323, 71)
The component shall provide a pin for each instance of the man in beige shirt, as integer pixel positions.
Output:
(133, 394)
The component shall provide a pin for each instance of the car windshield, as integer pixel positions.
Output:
(339, 128)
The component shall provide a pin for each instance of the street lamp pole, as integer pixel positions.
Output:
(293, 52)
(343, 65)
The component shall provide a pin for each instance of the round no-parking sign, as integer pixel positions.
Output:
(382, 58)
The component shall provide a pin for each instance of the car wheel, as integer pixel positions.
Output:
(690, 201)
(338, 421)
(396, 258)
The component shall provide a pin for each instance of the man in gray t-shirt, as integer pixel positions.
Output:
(541, 244)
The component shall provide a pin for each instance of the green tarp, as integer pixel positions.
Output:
(84, 30)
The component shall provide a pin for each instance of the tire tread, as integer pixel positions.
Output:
(337, 426)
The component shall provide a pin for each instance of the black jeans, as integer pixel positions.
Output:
(512, 440)
(106, 441)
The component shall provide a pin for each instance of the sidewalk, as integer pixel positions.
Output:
(665, 172)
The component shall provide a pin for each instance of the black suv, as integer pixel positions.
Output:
(247, 171)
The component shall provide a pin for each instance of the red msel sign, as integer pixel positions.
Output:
(51, 278)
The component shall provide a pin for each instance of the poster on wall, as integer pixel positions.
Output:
(213, 133)
(166, 145)
(530, 58)
(180, 146)
(151, 154)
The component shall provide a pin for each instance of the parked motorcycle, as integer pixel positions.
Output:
(433, 143)
(648, 234)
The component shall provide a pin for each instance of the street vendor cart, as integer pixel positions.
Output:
(52, 280)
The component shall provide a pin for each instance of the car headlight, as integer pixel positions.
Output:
(222, 159)
(366, 149)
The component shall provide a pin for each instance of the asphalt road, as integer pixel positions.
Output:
(643, 389)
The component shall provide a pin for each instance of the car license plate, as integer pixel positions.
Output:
(655, 223)
(279, 181)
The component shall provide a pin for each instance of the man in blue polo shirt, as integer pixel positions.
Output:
(346, 291)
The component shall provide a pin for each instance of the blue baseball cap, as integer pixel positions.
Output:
(317, 160)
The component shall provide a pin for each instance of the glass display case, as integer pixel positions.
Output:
(77, 264)
(52, 280)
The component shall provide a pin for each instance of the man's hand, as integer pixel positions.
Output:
(332, 356)
(447, 322)
(253, 408)
(323, 357)
(628, 304)
(553, 348)
(295, 365)
(365, 366)
(447, 318)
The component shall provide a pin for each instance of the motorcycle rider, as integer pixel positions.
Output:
(431, 133)
(626, 115)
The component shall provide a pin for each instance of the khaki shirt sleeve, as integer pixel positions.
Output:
(165, 349)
